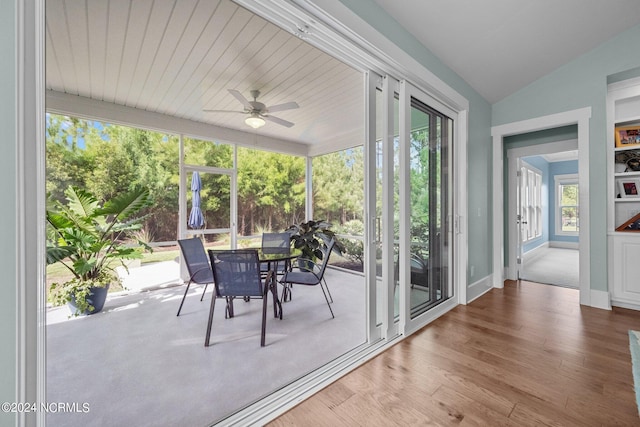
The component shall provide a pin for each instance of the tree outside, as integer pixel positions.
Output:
(109, 159)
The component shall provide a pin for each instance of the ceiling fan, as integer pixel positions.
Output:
(257, 111)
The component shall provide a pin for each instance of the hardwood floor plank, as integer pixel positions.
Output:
(525, 355)
(526, 416)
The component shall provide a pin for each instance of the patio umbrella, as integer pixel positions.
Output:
(196, 219)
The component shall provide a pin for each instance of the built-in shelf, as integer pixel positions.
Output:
(623, 165)
(626, 174)
(627, 199)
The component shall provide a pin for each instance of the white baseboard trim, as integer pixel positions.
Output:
(535, 252)
(564, 245)
(628, 305)
(479, 288)
(600, 299)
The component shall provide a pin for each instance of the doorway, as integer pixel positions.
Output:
(543, 213)
(580, 117)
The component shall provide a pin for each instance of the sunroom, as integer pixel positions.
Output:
(189, 70)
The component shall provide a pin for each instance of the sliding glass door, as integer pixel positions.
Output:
(425, 247)
(411, 184)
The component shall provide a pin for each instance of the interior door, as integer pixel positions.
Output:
(521, 217)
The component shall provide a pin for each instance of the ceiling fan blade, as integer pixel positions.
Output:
(282, 107)
(224, 111)
(278, 121)
(241, 98)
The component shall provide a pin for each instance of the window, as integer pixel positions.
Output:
(530, 202)
(567, 206)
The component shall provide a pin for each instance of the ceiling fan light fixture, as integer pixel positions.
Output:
(254, 121)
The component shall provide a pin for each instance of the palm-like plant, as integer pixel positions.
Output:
(87, 238)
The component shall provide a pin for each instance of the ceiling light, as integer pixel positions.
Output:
(254, 121)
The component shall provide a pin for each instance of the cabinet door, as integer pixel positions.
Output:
(626, 269)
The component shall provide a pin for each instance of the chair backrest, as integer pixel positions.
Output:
(325, 257)
(196, 259)
(236, 272)
(276, 243)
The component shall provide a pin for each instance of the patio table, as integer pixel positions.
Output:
(272, 258)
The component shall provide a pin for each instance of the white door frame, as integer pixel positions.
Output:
(580, 117)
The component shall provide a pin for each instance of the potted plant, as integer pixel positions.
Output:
(87, 237)
(312, 238)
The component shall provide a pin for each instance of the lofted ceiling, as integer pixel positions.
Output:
(500, 46)
(179, 57)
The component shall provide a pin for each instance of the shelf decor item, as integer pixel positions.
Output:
(629, 187)
(633, 224)
(627, 136)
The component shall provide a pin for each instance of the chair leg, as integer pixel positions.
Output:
(213, 304)
(229, 309)
(205, 290)
(329, 292)
(183, 297)
(327, 299)
(263, 332)
(286, 292)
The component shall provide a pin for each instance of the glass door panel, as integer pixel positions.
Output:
(425, 241)
(386, 221)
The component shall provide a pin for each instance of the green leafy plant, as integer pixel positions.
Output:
(312, 238)
(353, 248)
(88, 238)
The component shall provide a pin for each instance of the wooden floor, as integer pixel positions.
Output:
(525, 355)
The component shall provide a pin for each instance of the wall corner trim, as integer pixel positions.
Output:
(600, 299)
(479, 288)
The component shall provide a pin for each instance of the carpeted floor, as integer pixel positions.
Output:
(553, 266)
(634, 345)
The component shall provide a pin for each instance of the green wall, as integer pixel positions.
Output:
(480, 228)
(581, 83)
(8, 208)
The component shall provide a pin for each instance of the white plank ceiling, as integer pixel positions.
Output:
(178, 57)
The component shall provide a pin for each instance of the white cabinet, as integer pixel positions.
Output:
(626, 270)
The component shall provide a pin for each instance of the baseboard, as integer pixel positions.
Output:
(600, 299)
(535, 252)
(622, 304)
(564, 245)
(479, 288)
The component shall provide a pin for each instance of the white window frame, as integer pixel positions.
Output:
(531, 201)
(568, 179)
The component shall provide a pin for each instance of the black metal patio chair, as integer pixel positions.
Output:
(197, 263)
(275, 243)
(237, 275)
(310, 274)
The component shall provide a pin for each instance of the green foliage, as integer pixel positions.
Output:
(312, 237)
(338, 185)
(79, 290)
(108, 160)
(87, 237)
(271, 190)
(352, 248)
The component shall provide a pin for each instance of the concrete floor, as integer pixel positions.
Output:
(136, 363)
